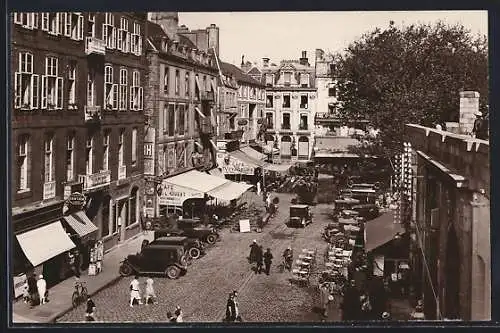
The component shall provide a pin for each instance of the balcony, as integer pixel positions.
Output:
(95, 180)
(49, 190)
(207, 96)
(92, 113)
(206, 126)
(95, 46)
(122, 172)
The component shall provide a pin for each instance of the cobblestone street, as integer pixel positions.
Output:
(203, 291)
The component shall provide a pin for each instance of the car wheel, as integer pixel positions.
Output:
(125, 270)
(194, 253)
(172, 272)
(211, 239)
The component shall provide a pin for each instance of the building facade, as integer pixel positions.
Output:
(181, 107)
(290, 105)
(77, 121)
(450, 231)
(227, 108)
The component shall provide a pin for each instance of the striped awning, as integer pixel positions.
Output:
(80, 223)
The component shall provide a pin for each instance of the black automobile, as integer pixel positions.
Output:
(170, 260)
(194, 228)
(300, 216)
(367, 211)
(193, 246)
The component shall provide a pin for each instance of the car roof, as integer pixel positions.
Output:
(163, 247)
(171, 238)
(299, 206)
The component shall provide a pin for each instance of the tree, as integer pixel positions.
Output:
(414, 74)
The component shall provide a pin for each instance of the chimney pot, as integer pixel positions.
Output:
(304, 54)
(213, 25)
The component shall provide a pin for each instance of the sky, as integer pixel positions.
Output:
(284, 35)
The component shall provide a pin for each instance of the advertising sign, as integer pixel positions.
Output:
(233, 166)
(19, 281)
(76, 200)
(175, 195)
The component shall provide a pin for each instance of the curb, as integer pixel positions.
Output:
(53, 318)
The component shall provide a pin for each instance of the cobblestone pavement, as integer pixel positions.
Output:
(202, 292)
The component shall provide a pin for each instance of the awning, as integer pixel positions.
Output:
(253, 153)
(199, 112)
(245, 159)
(278, 167)
(80, 223)
(380, 231)
(335, 155)
(44, 243)
(229, 191)
(216, 172)
(268, 149)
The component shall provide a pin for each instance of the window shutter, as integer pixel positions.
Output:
(17, 90)
(140, 98)
(105, 34)
(113, 38)
(67, 24)
(45, 21)
(115, 96)
(131, 98)
(44, 90)
(139, 51)
(35, 20)
(127, 42)
(59, 23)
(59, 93)
(18, 18)
(34, 93)
(80, 27)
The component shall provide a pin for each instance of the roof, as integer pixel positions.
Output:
(240, 76)
(156, 34)
(254, 71)
(380, 231)
(186, 41)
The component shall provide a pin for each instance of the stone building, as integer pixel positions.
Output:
(227, 108)
(77, 126)
(290, 106)
(450, 252)
(181, 106)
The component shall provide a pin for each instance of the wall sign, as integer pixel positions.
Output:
(175, 195)
(233, 166)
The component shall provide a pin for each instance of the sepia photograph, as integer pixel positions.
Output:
(249, 167)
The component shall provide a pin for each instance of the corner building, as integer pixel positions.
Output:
(77, 126)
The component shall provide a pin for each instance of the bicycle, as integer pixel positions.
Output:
(80, 294)
(286, 264)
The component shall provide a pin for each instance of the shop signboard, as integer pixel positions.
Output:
(175, 195)
(233, 166)
(76, 200)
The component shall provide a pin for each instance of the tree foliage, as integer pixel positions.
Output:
(407, 75)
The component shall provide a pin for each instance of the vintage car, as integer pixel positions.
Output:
(193, 246)
(300, 216)
(194, 228)
(170, 260)
(368, 211)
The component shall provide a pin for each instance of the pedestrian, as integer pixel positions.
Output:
(480, 128)
(178, 315)
(418, 313)
(77, 263)
(26, 294)
(32, 288)
(89, 313)
(149, 292)
(254, 248)
(350, 304)
(268, 258)
(324, 293)
(236, 307)
(170, 317)
(230, 308)
(41, 286)
(258, 259)
(268, 201)
(135, 291)
(258, 188)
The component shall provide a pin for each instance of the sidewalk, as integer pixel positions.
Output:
(60, 295)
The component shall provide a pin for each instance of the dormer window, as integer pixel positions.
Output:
(287, 78)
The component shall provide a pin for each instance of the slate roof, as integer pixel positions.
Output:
(240, 76)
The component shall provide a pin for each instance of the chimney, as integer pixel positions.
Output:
(242, 60)
(469, 106)
(265, 62)
(213, 38)
(304, 61)
(182, 28)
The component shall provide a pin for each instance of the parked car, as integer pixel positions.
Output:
(368, 211)
(194, 228)
(170, 260)
(300, 216)
(193, 246)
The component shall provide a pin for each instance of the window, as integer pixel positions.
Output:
(136, 93)
(181, 118)
(53, 23)
(70, 157)
(303, 122)
(286, 121)
(304, 80)
(91, 88)
(23, 160)
(49, 159)
(105, 216)
(286, 101)
(242, 113)
(136, 42)
(171, 120)
(52, 85)
(121, 160)
(304, 101)
(123, 42)
(269, 120)
(45, 21)
(232, 124)
(177, 82)
(250, 111)
(186, 85)
(110, 90)
(105, 154)
(72, 83)
(332, 91)
(269, 80)
(89, 156)
(133, 206)
(269, 101)
(165, 119)
(332, 69)
(91, 25)
(26, 93)
(134, 146)
(166, 78)
(109, 31)
(196, 88)
(287, 78)
(26, 20)
(72, 24)
(122, 97)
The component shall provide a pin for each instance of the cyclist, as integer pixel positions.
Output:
(288, 258)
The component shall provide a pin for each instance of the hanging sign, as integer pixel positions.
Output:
(76, 200)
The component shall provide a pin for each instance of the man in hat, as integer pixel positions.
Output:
(41, 285)
(254, 248)
(268, 258)
(480, 129)
(230, 308)
(288, 258)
